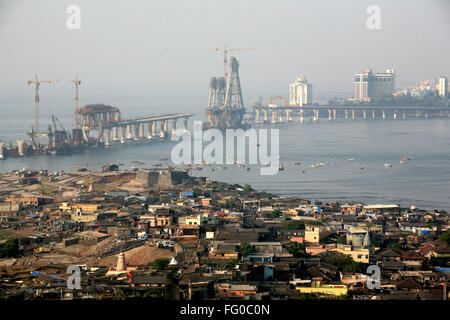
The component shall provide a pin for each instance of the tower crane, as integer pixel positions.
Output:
(76, 83)
(37, 83)
(225, 51)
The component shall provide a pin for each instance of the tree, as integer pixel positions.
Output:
(294, 225)
(231, 264)
(446, 237)
(297, 249)
(341, 240)
(9, 248)
(248, 187)
(339, 260)
(276, 213)
(160, 264)
(395, 245)
(246, 248)
(354, 267)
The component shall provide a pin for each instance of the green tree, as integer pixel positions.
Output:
(160, 264)
(276, 213)
(395, 245)
(297, 249)
(231, 264)
(354, 267)
(446, 237)
(294, 225)
(9, 248)
(246, 249)
(248, 187)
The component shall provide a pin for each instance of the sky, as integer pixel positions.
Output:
(148, 50)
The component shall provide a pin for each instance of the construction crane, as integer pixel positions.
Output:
(225, 51)
(279, 99)
(37, 83)
(76, 82)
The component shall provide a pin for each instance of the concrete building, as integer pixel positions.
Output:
(161, 177)
(443, 87)
(369, 85)
(300, 92)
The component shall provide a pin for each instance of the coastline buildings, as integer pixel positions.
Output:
(369, 84)
(443, 87)
(300, 92)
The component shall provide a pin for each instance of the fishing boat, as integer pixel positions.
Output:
(387, 165)
(282, 167)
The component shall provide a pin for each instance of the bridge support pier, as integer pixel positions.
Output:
(149, 131)
(329, 114)
(274, 116)
(373, 114)
(115, 134)
(289, 115)
(122, 135)
(316, 114)
(107, 137)
(334, 114)
(353, 114)
(383, 114)
(266, 116)
(129, 137)
(395, 114)
(404, 115)
(185, 124)
(153, 128)
(301, 115)
(364, 114)
(141, 130)
(346, 114)
(136, 132)
(174, 127)
(257, 115)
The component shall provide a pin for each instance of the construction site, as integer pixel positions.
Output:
(93, 126)
(225, 104)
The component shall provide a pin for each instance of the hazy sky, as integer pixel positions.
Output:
(135, 49)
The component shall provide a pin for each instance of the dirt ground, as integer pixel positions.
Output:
(140, 256)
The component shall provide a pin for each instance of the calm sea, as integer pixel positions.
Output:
(424, 181)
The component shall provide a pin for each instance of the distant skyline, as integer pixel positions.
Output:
(154, 49)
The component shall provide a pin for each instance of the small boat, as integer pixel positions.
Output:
(387, 165)
(282, 167)
(351, 159)
(404, 161)
(247, 168)
(264, 165)
(405, 158)
(296, 163)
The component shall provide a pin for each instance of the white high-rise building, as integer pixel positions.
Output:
(300, 92)
(369, 85)
(443, 87)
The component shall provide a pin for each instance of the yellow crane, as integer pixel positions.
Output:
(225, 51)
(37, 83)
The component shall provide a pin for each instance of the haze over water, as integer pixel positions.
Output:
(424, 181)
